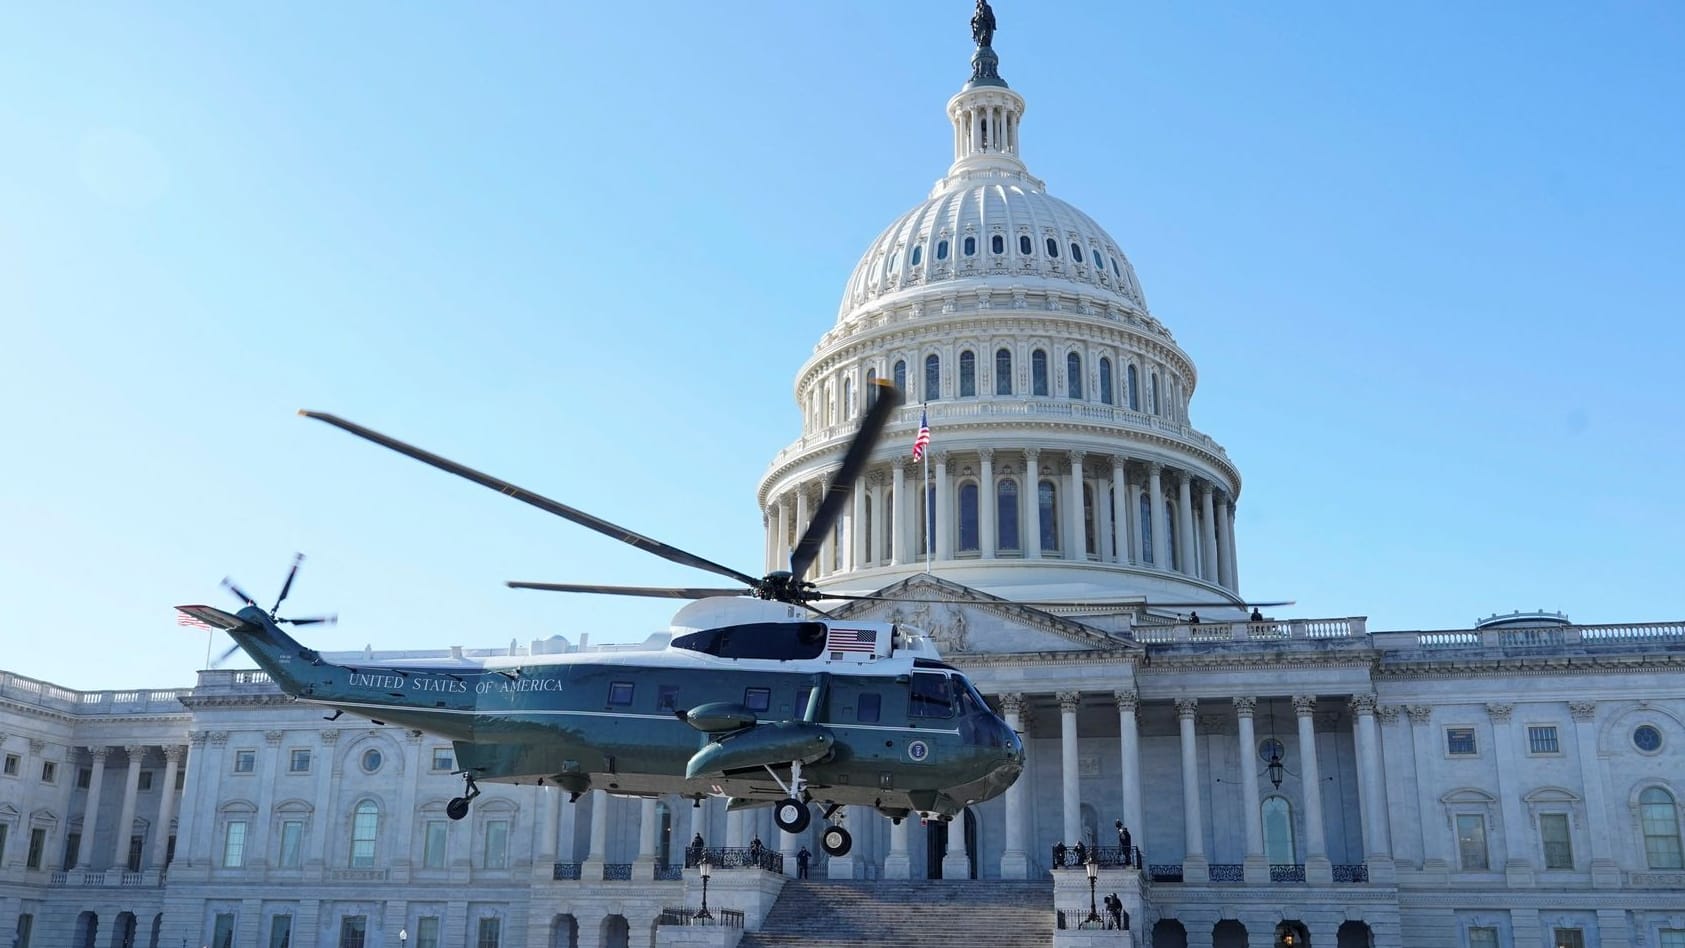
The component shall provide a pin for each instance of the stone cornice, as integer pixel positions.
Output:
(1529, 666)
(237, 700)
(64, 717)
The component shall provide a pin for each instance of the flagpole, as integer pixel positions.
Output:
(929, 501)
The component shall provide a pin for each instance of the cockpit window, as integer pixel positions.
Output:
(932, 697)
(774, 640)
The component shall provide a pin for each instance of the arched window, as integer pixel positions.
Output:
(1106, 380)
(1278, 831)
(365, 832)
(848, 397)
(1052, 248)
(1003, 371)
(917, 256)
(1073, 375)
(1047, 499)
(871, 387)
(1153, 403)
(1146, 519)
(1659, 816)
(997, 244)
(1006, 515)
(968, 518)
(969, 246)
(1038, 372)
(942, 249)
(1173, 556)
(901, 376)
(932, 377)
(968, 374)
(1024, 246)
(1092, 544)
(1076, 252)
(1134, 390)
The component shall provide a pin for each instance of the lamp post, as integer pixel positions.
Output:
(705, 870)
(1093, 869)
(403, 936)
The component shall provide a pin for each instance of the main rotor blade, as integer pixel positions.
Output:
(842, 483)
(654, 592)
(537, 500)
(313, 620)
(287, 586)
(1056, 603)
(228, 584)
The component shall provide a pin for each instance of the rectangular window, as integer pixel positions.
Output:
(245, 761)
(491, 933)
(757, 699)
(497, 844)
(868, 707)
(620, 694)
(135, 845)
(26, 925)
(1471, 841)
(433, 844)
(1459, 741)
(1559, 847)
(298, 761)
(12, 764)
(1568, 938)
(145, 782)
(353, 929)
(281, 931)
(427, 931)
(170, 850)
(3, 828)
(72, 847)
(667, 698)
(37, 848)
(222, 934)
(84, 778)
(292, 843)
(1541, 739)
(1483, 938)
(234, 845)
(49, 772)
(1670, 937)
(443, 759)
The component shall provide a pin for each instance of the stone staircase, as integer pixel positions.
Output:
(961, 914)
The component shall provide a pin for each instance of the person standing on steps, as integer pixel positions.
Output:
(802, 858)
(1123, 841)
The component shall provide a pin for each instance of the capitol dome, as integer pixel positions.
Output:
(1063, 463)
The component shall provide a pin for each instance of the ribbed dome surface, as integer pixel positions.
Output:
(992, 225)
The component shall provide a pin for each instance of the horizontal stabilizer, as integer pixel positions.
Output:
(213, 617)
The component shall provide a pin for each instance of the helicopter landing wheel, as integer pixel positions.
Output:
(835, 841)
(457, 808)
(791, 815)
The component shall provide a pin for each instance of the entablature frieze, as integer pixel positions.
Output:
(1530, 666)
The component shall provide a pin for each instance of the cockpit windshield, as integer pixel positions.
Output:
(773, 640)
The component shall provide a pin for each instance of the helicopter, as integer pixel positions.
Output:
(760, 696)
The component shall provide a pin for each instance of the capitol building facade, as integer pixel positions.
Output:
(1069, 543)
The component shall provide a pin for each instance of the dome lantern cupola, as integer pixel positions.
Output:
(985, 113)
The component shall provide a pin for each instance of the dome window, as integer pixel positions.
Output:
(1099, 258)
(1076, 252)
(1024, 246)
(871, 387)
(1134, 387)
(1115, 269)
(916, 257)
(1003, 371)
(942, 249)
(901, 375)
(968, 374)
(1038, 372)
(1073, 374)
(1052, 248)
(997, 244)
(1106, 380)
(932, 377)
(969, 248)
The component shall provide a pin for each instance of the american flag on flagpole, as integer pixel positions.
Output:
(923, 440)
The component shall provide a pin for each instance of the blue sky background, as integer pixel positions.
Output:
(1426, 258)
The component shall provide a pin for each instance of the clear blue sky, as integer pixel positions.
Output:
(1426, 258)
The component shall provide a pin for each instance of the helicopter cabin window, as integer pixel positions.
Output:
(667, 699)
(773, 640)
(932, 697)
(619, 694)
(757, 699)
(868, 707)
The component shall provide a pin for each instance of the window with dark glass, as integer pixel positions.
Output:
(932, 696)
(245, 762)
(12, 762)
(1541, 739)
(353, 930)
(1134, 390)
(868, 707)
(1099, 258)
(620, 693)
(1146, 519)
(1073, 374)
(757, 640)
(1658, 817)
(435, 844)
(969, 246)
(1459, 741)
(222, 931)
(298, 760)
(1471, 841)
(444, 758)
(1052, 248)
(871, 387)
(49, 771)
(37, 848)
(491, 933)
(942, 249)
(281, 931)
(1568, 938)
(1647, 738)
(145, 782)
(968, 374)
(234, 844)
(1558, 845)
(1172, 547)
(292, 840)
(1038, 372)
(932, 377)
(1047, 500)
(968, 533)
(135, 844)
(1115, 269)
(427, 931)
(1006, 515)
(365, 834)
(757, 699)
(85, 775)
(1088, 525)
(667, 698)
(917, 256)
(1025, 247)
(1155, 394)
(901, 375)
(495, 845)
(997, 244)
(1106, 380)
(1076, 253)
(1003, 372)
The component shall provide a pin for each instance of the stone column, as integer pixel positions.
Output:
(1518, 868)
(878, 553)
(1430, 818)
(592, 869)
(1079, 536)
(986, 503)
(1222, 540)
(644, 866)
(126, 818)
(788, 844)
(803, 512)
(1120, 515)
(898, 491)
(90, 812)
(1604, 872)
(1257, 868)
(1155, 500)
(781, 547)
(1014, 859)
(1137, 556)
(1129, 745)
(194, 762)
(173, 754)
(956, 863)
(1194, 864)
(1208, 535)
(1070, 780)
(857, 553)
(549, 812)
(1318, 869)
(1227, 524)
(897, 865)
(1185, 523)
(327, 770)
(1367, 736)
(1030, 497)
(944, 544)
